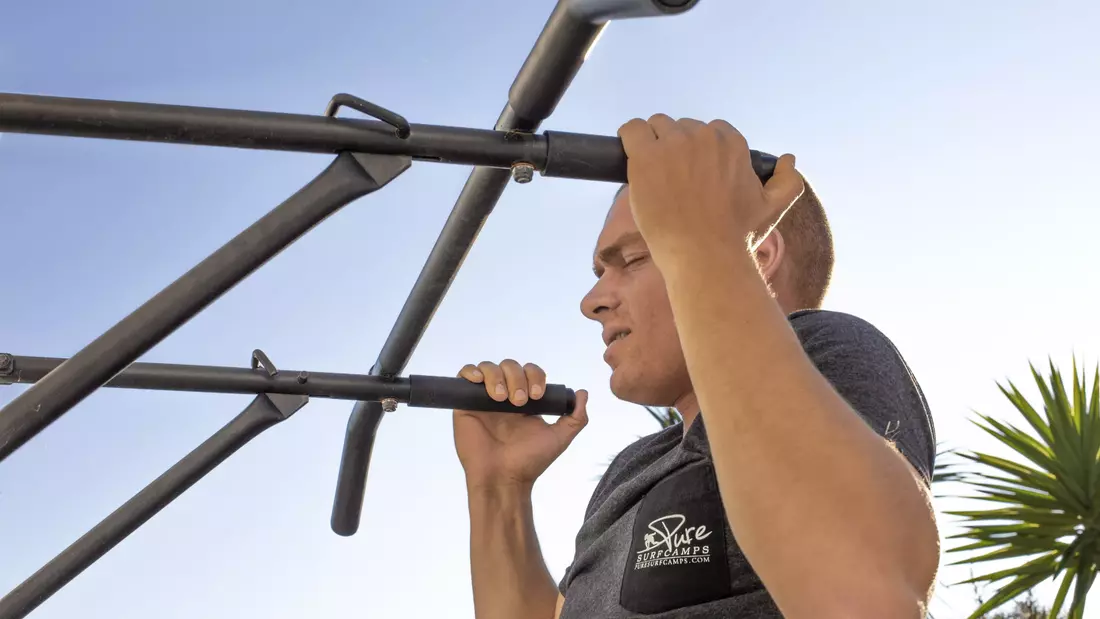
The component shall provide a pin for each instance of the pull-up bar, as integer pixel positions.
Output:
(369, 154)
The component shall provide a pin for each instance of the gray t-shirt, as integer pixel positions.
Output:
(655, 541)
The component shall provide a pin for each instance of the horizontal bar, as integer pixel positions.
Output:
(554, 154)
(350, 176)
(207, 126)
(262, 413)
(416, 391)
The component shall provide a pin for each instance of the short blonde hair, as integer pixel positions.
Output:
(809, 247)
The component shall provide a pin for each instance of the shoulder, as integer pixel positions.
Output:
(870, 373)
(813, 326)
(846, 346)
(634, 458)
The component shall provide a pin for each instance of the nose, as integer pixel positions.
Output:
(600, 299)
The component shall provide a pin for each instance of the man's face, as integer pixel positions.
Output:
(630, 302)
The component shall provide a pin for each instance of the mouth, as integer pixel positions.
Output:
(611, 337)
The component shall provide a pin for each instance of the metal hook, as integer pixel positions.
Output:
(393, 119)
(259, 359)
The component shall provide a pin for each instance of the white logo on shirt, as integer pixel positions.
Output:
(666, 545)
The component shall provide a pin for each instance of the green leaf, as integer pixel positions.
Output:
(1043, 565)
(1060, 599)
(1067, 448)
(1028, 412)
(1080, 410)
(1041, 482)
(1021, 496)
(1021, 514)
(1086, 572)
(1009, 591)
(1090, 426)
(1006, 553)
(1069, 553)
(1024, 445)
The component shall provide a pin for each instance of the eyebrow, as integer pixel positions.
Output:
(608, 254)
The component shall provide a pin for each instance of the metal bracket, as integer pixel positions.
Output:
(373, 110)
(260, 360)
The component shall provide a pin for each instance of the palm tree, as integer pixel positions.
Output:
(1046, 510)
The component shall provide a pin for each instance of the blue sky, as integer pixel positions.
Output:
(952, 143)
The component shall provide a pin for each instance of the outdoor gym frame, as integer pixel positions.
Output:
(368, 155)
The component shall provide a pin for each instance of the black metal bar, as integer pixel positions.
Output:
(604, 10)
(155, 122)
(349, 177)
(554, 154)
(263, 412)
(416, 391)
(550, 66)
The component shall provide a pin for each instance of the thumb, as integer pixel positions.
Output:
(785, 186)
(568, 426)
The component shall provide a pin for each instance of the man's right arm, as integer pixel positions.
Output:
(503, 454)
(510, 578)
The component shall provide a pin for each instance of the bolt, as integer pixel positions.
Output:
(303, 376)
(7, 363)
(389, 405)
(523, 172)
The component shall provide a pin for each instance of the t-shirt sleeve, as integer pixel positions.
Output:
(867, 370)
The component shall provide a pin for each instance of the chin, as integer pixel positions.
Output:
(638, 389)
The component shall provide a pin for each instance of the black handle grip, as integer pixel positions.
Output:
(443, 392)
(602, 158)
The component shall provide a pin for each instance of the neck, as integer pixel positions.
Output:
(688, 407)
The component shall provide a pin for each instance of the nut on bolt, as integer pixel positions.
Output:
(389, 405)
(523, 172)
(7, 363)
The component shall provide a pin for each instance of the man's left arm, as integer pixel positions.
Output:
(830, 515)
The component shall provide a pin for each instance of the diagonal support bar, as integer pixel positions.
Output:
(263, 412)
(350, 176)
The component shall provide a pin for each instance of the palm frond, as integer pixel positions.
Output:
(1046, 509)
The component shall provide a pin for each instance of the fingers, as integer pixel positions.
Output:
(786, 184)
(536, 380)
(508, 380)
(730, 135)
(516, 381)
(568, 426)
(663, 126)
(471, 373)
(495, 384)
(636, 134)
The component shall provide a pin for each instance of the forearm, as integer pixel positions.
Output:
(510, 578)
(828, 513)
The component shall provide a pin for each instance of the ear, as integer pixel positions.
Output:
(770, 253)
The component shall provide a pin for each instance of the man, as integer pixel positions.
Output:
(805, 495)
